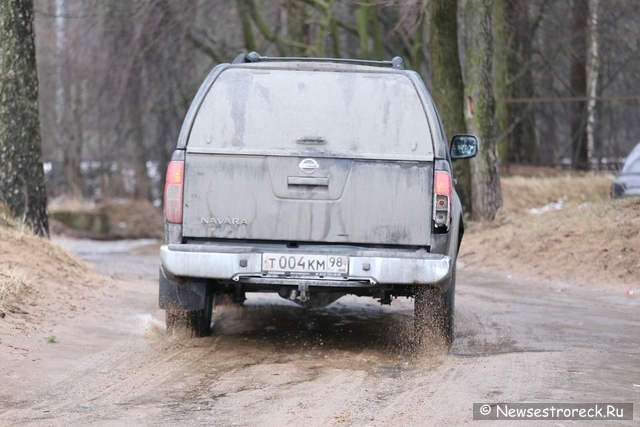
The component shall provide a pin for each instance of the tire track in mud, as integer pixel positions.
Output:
(190, 380)
(187, 374)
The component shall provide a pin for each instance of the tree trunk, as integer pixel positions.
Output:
(579, 15)
(592, 83)
(249, 41)
(135, 107)
(367, 24)
(264, 28)
(74, 139)
(446, 77)
(546, 125)
(296, 26)
(550, 114)
(140, 155)
(480, 109)
(514, 80)
(22, 186)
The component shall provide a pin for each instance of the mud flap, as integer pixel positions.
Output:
(179, 294)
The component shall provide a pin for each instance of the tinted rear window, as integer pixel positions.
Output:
(319, 113)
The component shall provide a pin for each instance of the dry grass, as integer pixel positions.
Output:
(41, 282)
(591, 239)
(22, 255)
(523, 193)
(23, 237)
(14, 285)
(7, 219)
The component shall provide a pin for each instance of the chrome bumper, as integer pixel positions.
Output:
(239, 263)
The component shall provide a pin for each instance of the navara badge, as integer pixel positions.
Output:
(308, 166)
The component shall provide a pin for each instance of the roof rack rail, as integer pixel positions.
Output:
(244, 58)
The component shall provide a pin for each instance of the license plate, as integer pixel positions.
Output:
(307, 265)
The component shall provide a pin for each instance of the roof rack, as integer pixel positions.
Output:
(244, 58)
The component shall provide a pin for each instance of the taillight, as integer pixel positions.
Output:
(443, 198)
(173, 193)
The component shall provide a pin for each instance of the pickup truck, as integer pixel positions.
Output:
(313, 178)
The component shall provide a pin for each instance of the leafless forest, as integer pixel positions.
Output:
(116, 77)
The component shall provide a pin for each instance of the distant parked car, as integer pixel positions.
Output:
(628, 182)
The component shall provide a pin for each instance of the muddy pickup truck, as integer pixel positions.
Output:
(312, 178)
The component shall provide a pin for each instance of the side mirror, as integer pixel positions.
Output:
(463, 147)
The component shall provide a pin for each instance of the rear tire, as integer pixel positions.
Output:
(196, 322)
(434, 313)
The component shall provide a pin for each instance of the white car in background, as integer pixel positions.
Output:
(628, 181)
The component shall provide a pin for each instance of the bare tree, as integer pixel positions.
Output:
(296, 27)
(446, 79)
(592, 82)
(579, 14)
(480, 108)
(513, 79)
(21, 175)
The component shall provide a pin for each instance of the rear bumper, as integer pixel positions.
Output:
(366, 267)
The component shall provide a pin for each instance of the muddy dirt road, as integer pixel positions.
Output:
(273, 364)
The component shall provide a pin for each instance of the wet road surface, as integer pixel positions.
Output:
(271, 363)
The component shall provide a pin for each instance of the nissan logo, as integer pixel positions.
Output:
(308, 166)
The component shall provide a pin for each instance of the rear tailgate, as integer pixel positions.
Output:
(255, 197)
(310, 156)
